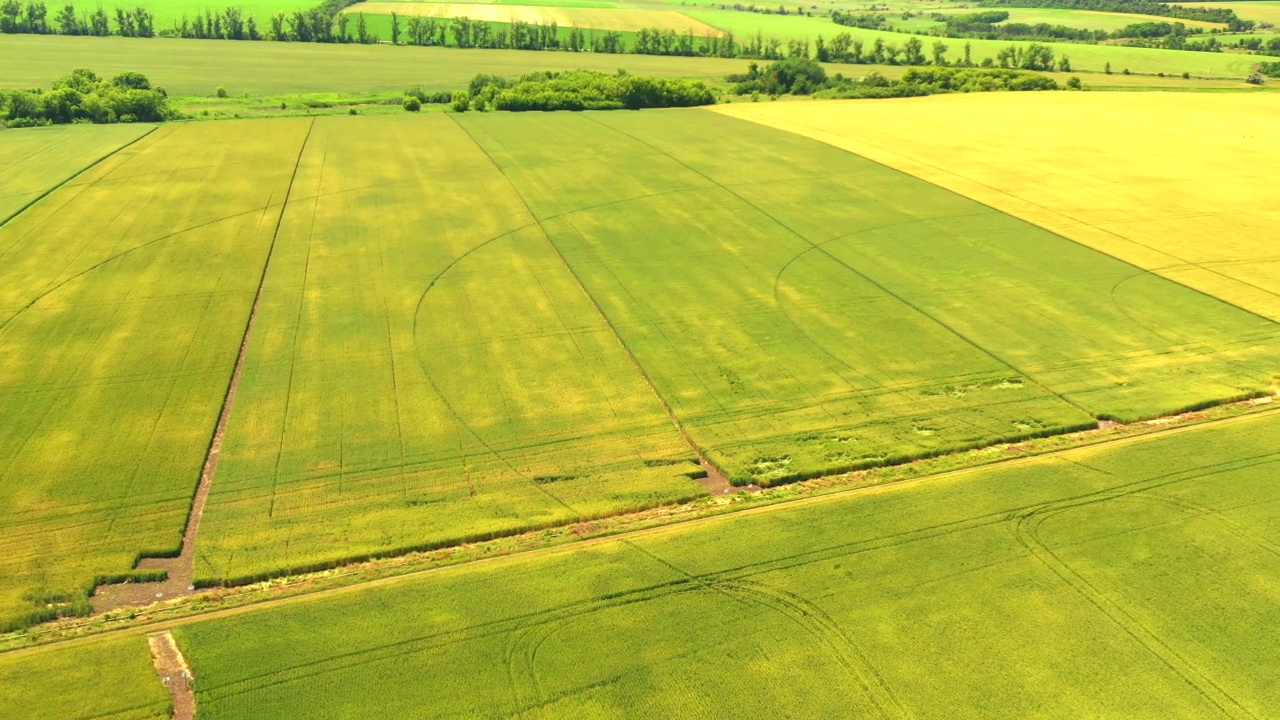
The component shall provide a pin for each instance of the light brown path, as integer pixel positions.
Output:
(174, 672)
(181, 569)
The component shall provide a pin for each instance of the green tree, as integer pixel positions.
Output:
(395, 29)
(412, 104)
(362, 30)
(939, 53)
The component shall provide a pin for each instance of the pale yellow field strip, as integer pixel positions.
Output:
(1083, 18)
(1260, 11)
(1182, 184)
(597, 18)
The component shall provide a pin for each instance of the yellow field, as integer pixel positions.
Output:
(1260, 11)
(597, 18)
(1181, 184)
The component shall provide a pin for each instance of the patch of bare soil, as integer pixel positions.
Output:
(174, 672)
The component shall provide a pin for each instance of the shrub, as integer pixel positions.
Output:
(461, 102)
(220, 92)
(412, 104)
(82, 96)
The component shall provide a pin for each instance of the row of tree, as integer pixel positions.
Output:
(83, 96)
(33, 18)
(803, 76)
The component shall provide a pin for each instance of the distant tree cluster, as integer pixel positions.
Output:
(802, 76)
(84, 97)
(579, 90)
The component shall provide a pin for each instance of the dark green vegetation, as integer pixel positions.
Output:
(801, 76)
(82, 96)
(580, 90)
(1137, 580)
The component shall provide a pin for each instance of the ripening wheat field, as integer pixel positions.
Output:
(473, 325)
(39, 159)
(1181, 184)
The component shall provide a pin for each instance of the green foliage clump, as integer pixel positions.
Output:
(83, 96)
(412, 104)
(801, 76)
(584, 90)
(1269, 69)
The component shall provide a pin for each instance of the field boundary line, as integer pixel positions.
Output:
(65, 181)
(675, 526)
(820, 247)
(644, 374)
(182, 568)
(822, 134)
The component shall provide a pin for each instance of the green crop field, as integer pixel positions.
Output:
(123, 297)
(414, 406)
(108, 679)
(169, 13)
(1130, 581)
(36, 161)
(527, 348)
(199, 67)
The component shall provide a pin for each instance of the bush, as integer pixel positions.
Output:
(412, 104)
(82, 96)
(220, 92)
(1073, 83)
(1255, 78)
(461, 103)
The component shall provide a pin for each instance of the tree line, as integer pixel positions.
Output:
(83, 96)
(575, 90)
(804, 76)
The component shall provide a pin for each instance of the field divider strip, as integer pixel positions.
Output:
(644, 374)
(75, 175)
(676, 526)
(820, 247)
(184, 568)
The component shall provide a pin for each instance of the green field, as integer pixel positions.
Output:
(123, 298)
(108, 679)
(199, 67)
(35, 161)
(795, 327)
(169, 13)
(1130, 581)
(527, 348)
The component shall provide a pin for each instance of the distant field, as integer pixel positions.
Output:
(1084, 18)
(1260, 10)
(578, 16)
(109, 679)
(123, 297)
(199, 67)
(36, 161)
(169, 13)
(1205, 217)
(1083, 57)
(1133, 581)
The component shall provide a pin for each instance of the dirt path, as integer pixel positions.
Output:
(173, 671)
(181, 569)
